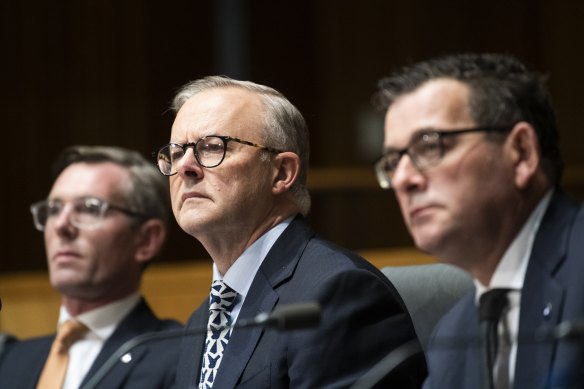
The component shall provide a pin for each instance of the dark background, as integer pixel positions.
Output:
(103, 72)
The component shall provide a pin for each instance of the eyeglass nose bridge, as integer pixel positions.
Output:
(183, 159)
(62, 217)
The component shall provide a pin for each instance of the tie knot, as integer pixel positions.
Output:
(69, 332)
(492, 304)
(222, 296)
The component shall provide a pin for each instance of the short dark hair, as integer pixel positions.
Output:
(503, 91)
(147, 190)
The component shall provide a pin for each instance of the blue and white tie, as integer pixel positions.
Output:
(221, 301)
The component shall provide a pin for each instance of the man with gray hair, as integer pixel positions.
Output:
(238, 162)
(104, 220)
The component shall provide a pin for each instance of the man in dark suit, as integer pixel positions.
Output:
(103, 222)
(238, 163)
(471, 152)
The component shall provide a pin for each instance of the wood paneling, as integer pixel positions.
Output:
(104, 72)
(30, 305)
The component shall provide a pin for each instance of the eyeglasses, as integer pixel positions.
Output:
(209, 152)
(425, 150)
(85, 212)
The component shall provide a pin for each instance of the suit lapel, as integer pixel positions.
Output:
(277, 268)
(140, 320)
(543, 297)
(192, 348)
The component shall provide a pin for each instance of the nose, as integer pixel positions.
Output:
(188, 166)
(62, 223)
(407, 176)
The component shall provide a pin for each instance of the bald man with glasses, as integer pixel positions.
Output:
(103, 222)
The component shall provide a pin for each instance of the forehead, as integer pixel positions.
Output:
(437, 104)
(103, 180)
(219, 111)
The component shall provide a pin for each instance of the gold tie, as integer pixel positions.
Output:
(56, 365)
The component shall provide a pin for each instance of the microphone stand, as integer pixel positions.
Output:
(286, 317)
(387, 364)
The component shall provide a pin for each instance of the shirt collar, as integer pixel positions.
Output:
(510, 272)
(103, 321)
(241, 274)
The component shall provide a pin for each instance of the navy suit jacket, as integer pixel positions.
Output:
(152, 366)
(363, 319)
(553, 291)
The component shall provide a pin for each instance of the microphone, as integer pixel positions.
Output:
(284, 318)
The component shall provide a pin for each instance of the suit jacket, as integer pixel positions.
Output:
(553, 291)
(153, 365)
(363, 319)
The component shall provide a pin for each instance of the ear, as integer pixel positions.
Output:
(287, 168)
(150, 238)
(525, 153)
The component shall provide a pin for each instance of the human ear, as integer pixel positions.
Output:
(525, 153)
(150, 238)
(287, 169)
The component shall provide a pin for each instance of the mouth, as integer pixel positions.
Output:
(64, 256)
(418, 212)
(191, 195)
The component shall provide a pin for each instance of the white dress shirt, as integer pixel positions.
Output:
(241, 274)
(510, 274)
(101, 322)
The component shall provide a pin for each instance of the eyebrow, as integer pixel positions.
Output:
(415, 135)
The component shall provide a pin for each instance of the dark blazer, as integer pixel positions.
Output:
(363, 319)
(153, 365)
(553, 291)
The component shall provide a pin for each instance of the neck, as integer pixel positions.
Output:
(225, 250)
(77, 306)
(488, 250)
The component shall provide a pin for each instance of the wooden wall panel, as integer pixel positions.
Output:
(103, 72)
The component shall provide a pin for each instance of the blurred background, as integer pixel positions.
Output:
(104, 72)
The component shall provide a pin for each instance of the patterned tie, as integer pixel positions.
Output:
(221, 301)
(55, 368)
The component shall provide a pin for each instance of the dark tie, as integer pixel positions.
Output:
(55, 368)
(221, 302)
(492, 304)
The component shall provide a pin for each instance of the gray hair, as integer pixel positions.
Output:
(285, 127)
(147, 190)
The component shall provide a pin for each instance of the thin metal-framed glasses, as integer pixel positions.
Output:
(425, 150)
(209, 152)
(84, 213)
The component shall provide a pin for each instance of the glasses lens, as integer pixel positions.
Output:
(87, 212)
(167, 157)
(40, 214)
(426, 150)
(210, 151)
(385, 167)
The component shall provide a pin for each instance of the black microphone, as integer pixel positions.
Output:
(284, 318)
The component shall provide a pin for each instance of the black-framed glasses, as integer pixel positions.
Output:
(209, 152)
(85, 212)
(425, 150)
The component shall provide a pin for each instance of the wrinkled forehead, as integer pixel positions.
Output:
(437, 104)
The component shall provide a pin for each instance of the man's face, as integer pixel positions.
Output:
(98, 263)
(236, 195)
(453, 207)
